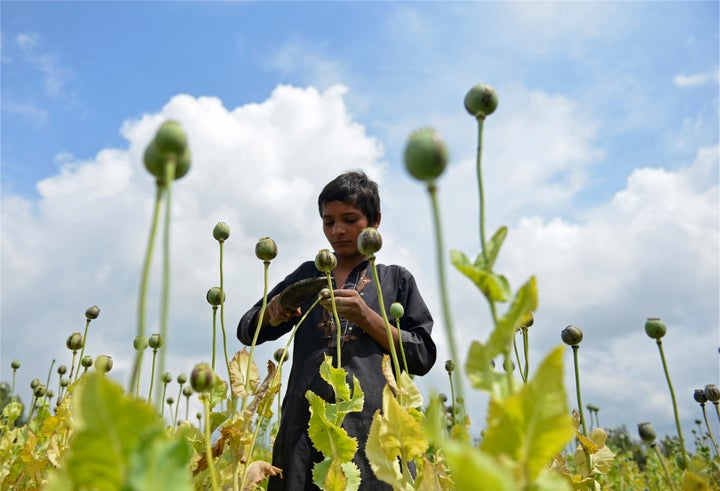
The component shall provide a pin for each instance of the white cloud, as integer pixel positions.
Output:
(37, 116)
(651, 250)
(566, 25)
(711, 77)
(26, 41)
(259, 168)
(27, 48)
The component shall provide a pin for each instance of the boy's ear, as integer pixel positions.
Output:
(377, 223)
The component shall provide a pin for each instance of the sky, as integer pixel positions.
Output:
(601, 159)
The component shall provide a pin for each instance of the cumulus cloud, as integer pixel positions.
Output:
(258, 167)
(651, 250)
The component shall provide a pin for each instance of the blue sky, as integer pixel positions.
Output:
(602, 159)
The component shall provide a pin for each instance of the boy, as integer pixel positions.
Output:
(347, 205)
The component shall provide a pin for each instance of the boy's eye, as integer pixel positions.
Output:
(328, 224)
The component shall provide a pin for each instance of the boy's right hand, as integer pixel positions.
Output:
(279, 314)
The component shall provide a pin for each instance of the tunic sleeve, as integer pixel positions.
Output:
(248, 322)
(415, 326)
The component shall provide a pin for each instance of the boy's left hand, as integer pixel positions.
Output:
(350, 305)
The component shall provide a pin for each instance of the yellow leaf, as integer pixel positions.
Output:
(383, 460)
(389, 375)
(693, 482)
(412, 398)
(243, 384)
(335, 479)
(257, 472)
(402, 430)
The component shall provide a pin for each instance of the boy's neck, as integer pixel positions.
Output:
(344, 267)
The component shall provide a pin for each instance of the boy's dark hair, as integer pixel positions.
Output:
(356, 189)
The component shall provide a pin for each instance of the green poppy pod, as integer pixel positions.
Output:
(15, 364)
(140, 343)
(103, 363)
(712, 393)
(647, 432)
(39, 391)
(215, 296)
(182, 165)
(266, 249)
(166, 378)
(325, 261)
(74, 342)
(221, 231)
(155, 342)
(655, 328)
(171, 138)
(397, 310)
(481, 101)
(278, 355)
(426, 155)
(92, 312)
(572, 335)
(369, 241)
(201, 378)
(154, 162)
(86, 361)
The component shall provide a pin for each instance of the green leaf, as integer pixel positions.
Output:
(332, 474)
(160, 465)
(330, 439)
(480, 371)
(337, 378)
(435, 422)
(492, 249)
(532, 425)
(477, 470)
(495, 287)
(115, 436)
(352, 473)
(478, 366)
(219, 391)
(354, 405)
(216, 420)
(526, 300)
(552, 480)
(10, 414)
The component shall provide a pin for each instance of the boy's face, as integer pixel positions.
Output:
(342, 223)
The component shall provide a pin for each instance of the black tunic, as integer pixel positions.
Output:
(293, 450)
